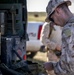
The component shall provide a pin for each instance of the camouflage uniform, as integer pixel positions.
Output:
(65, 66)
(51, 42)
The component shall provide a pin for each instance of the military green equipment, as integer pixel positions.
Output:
(13, 24)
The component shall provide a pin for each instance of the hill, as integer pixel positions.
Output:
(36, 16)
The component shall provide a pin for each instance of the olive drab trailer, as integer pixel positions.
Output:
(13, 36)
(13, 20)
(13, 23)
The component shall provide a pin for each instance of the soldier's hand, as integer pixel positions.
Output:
(48, 66)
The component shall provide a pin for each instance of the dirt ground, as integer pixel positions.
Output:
(41, 56)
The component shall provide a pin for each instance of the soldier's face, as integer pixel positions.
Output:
(57, 18)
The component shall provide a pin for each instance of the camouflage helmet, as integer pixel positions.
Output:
(52, 5)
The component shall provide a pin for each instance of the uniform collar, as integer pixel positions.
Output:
(71, 20)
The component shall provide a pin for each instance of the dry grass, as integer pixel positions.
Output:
(41, 56)
(36, 16)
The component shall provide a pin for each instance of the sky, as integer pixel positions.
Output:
(40, 5)
(37, 5)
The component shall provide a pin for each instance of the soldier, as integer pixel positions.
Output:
(59, 13)
(51, 38)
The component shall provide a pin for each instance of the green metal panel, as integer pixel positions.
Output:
(13, 1)
(21, 17)
(8, 1)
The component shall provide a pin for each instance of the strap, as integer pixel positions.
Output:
(51, 28)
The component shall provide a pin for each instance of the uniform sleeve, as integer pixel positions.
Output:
(59, 66)
(70, 40)
(44, 37)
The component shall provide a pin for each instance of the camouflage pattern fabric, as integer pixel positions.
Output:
(50, 40)
(65, 66)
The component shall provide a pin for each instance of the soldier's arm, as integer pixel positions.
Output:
(44, 37)
(69, 37)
